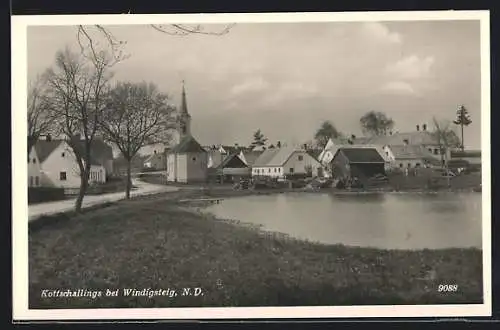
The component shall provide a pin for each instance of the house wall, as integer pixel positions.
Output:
(401, 163)
(407, 163)
(236, 171)
(196, 165)
(215, 158)
(62, 159)
(189, 167)
(298, 162)
(366, 169)
(270, 171)
(171, 167)
(97, 174)
(34, 170)
(340, 166)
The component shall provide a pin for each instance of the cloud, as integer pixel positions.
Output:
(251, 85)
(381, 32)
(412, 67)
(399, 87)
(290, 91)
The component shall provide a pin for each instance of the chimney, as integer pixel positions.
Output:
(418, 128)
(424, 127)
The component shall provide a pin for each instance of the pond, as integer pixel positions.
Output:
(389, 221)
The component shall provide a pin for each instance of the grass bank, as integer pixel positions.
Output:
(151, 242)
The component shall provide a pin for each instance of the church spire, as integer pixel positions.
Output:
(184, 103)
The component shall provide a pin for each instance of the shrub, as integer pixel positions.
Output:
(44, 194)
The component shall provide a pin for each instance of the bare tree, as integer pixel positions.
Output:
(39, 118)
(136, 115)
(446, 138)
(78, 86)
(91, 34)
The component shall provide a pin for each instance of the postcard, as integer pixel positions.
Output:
(251, 166)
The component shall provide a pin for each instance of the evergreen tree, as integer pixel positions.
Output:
(258, 139)
(463, 119)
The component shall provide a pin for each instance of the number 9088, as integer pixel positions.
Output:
(448, 288)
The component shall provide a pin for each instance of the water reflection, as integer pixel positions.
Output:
(396, 221)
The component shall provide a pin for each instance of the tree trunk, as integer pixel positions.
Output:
(129, 179)
(462, 126)
(84, 182)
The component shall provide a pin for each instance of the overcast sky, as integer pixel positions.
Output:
(287, 78)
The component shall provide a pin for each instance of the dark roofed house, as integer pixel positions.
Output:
(361, 163)
(187, 161)
(101, 153)
(232, 169)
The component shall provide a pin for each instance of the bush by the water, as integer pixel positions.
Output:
(44, 194)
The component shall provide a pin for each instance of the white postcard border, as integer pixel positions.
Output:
(21, 310)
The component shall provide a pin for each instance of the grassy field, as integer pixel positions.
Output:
(151, 242)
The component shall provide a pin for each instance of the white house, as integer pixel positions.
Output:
(34, 169)
(59, 167)
(187, 162)
(280, 162)
(410, 156)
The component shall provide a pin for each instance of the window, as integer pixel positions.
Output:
(34, 160)
(409, 165)
(37, 181)
(279, 169)
(31, 181)
(268, 170)
(301, 157)
(194, 159)
(417, 165)
(401, 165)
(62, 176)
(62, 154)
(430, 150)
(291, 169)
(436, 151)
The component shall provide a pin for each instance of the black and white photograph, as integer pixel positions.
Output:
(251, 165)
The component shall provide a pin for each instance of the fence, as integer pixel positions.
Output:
(44, 194)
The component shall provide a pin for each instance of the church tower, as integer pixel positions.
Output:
(183, 119)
